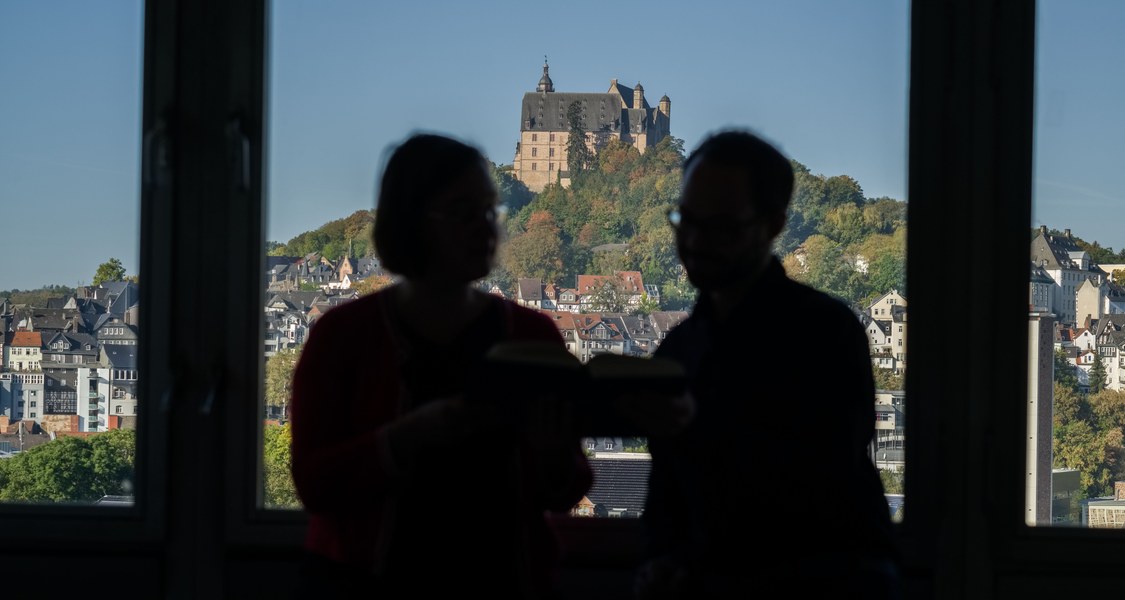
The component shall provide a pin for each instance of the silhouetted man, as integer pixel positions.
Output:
(770, 488)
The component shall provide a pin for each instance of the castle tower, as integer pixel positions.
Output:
(666, 106)
(638, 96)
(545, 83)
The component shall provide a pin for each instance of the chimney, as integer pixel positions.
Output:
(1119, 490)
(1043, 229)
(1066, 232)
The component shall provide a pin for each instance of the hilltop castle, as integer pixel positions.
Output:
(621, 113)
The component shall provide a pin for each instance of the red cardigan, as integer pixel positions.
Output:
(346, 389)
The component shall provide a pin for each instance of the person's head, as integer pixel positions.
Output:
(736, 191)
(436, 211)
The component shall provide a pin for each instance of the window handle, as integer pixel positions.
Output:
(239, 152)
(166, 402)
(156, 156)
(218, 380)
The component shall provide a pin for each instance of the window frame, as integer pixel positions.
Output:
(197, 521)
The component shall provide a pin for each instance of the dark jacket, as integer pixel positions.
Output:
(776, 464)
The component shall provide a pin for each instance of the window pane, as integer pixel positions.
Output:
(1077, 358)
(69, 166)
(596, 255)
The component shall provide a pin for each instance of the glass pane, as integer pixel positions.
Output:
(1077, 358)
(593, 251)
(69, 172)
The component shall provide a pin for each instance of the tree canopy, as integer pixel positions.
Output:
(277, 463)
(111, 270)
(71, 469)
(348, 236)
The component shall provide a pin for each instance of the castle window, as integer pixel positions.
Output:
(534, 138)
(552, 137)
(533, 165)
(551, 151)
(535, 151)
(550, 166)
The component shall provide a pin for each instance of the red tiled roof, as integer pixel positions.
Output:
(27, 339)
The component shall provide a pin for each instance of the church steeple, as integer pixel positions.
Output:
(545, 83)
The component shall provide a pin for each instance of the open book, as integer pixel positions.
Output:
(521, 372)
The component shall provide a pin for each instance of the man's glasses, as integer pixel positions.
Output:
(723, 228)
(464, 214)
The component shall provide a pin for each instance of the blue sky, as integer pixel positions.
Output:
(825, 80)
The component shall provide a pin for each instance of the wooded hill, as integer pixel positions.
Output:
(612, 217)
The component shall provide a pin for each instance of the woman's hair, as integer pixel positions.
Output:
(419, 168)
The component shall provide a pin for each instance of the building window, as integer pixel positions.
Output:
(535, 151)
(34, 404)
(551, 151)
(32, 416)
(118, 411)
(552, 137)
(19, 404)
(534, 138)
(609, 444)
(533, 166)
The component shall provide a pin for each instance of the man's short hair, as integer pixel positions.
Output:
(770, 172)
(419, 169)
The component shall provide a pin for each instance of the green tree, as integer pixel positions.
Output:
(608, 261)
(513, 194)
(111, 270)
(647, 305)
(893, 480)
(884, 215)
(578, 156)
(71, 469)
(887, 379)
(825, 267)
(845, 224)
(1098, 374)
(1066, 374)
(277, 468)
(1087, 438)
(842, 189)
(887, 272)
(678, 294)
(112, 455)
(538, 251)
(609, 296)
(1107, 408)
(279, 377)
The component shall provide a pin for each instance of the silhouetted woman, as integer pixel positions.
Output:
(414, 487)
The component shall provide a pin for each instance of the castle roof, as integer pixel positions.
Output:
(547, 112)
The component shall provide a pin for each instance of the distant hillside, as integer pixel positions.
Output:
(37, 298)
(350, 235)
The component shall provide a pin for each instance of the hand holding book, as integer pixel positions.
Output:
(611, 394)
